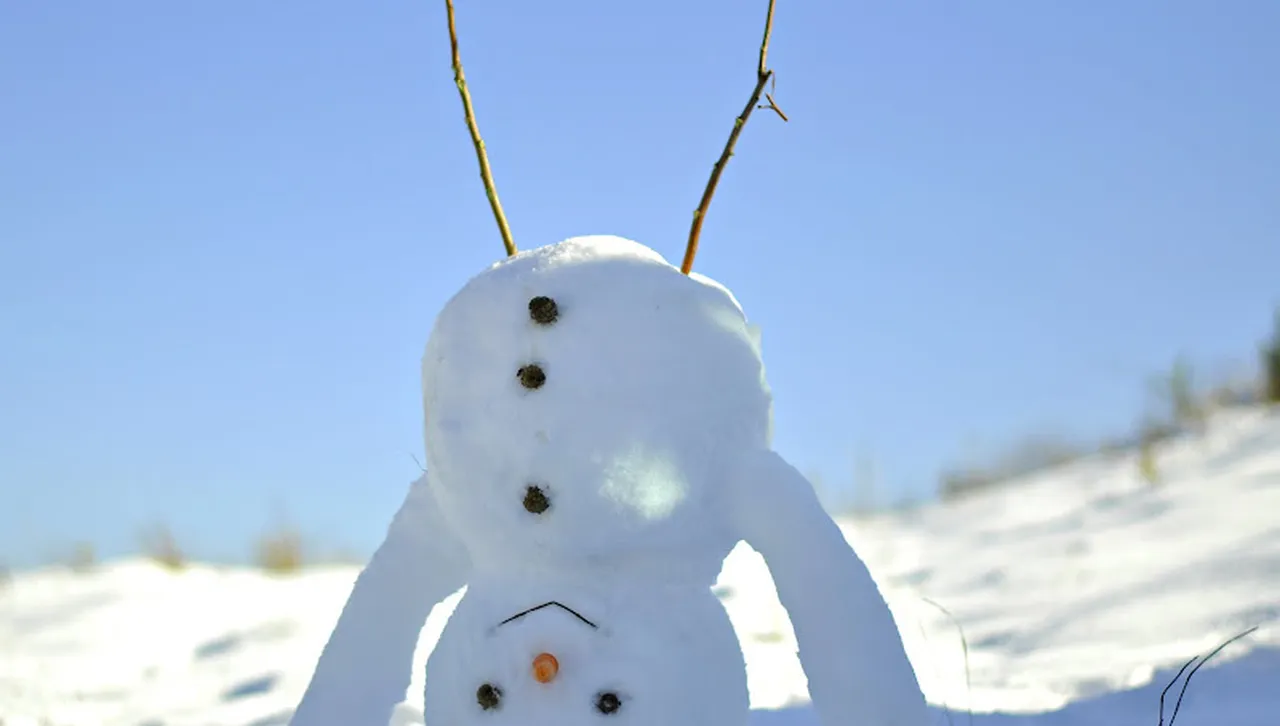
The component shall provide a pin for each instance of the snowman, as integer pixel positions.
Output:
(597, 430)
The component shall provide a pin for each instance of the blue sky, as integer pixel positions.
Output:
(226, 228)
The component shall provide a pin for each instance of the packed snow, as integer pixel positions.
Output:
(597, 430)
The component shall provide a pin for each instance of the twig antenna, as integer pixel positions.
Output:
(763, 76)
(486, 174)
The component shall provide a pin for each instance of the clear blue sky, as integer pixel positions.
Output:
(226, 228)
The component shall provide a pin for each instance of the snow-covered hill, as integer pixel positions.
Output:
(1080, 591)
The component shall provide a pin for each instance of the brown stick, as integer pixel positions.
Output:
(486, 175)
(763, 74)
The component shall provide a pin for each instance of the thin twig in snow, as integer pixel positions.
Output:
(964, 644)
(1165, 692)
(1178, 705)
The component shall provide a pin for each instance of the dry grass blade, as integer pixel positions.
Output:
(964, 644)
(763, 75)
(486, 174)
(1165, 692)
(281, 552)
(1177, 706)
(162, 547)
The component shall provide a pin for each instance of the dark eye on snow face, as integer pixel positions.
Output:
(489, 696)
(608, 702)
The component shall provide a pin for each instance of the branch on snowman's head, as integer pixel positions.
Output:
(486, 175)
(763, 76)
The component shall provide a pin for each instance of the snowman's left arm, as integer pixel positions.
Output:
(365, 668)
(849, 644)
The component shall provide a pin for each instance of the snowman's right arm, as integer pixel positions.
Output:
(366, 666)
(848, 641)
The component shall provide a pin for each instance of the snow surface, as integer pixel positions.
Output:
(1081, 592)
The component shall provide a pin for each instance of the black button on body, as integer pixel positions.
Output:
(543, 310)
(532, 376)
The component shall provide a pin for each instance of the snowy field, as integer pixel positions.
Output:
(1080, 591)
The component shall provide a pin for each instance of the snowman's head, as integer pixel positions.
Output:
(552, 666)
(581, 400)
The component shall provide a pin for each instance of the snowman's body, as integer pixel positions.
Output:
(597, 432)
(633, 535)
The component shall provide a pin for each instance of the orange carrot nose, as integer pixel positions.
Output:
(545, 668)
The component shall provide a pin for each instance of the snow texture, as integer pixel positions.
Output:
(370, 654)
(643, 433)
(1081, 591)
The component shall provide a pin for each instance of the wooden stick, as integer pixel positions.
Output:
(763, 75)
(486, 174)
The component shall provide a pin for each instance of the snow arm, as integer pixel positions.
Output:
(366, 666)
(849, 644)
